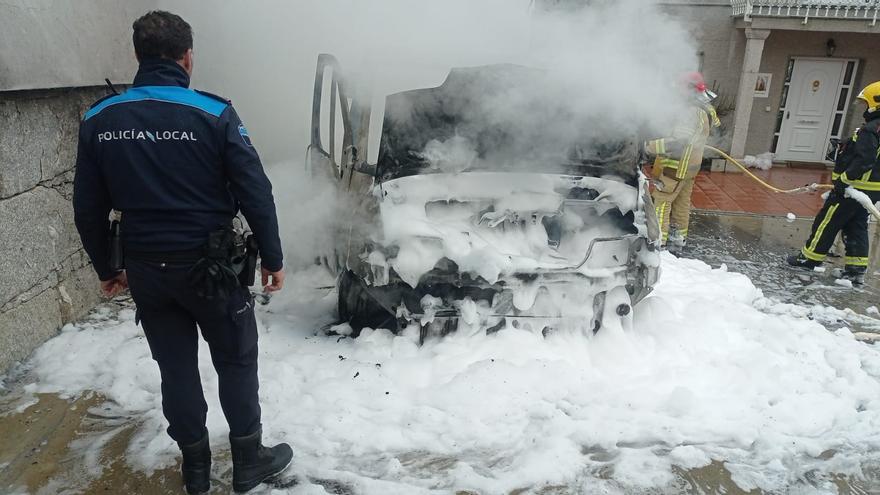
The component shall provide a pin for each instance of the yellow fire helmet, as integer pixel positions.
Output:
(871, 96)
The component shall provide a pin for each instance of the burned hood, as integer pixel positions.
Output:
(501, 118)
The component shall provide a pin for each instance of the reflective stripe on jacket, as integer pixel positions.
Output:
(863, 167)
(683, 150)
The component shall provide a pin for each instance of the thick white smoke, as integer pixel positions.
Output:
(622, 58)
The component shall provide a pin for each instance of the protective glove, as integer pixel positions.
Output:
(839, 188)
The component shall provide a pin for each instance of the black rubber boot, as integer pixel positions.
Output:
(801, 261)
(196, 466)
(252, 463)
(676, 249)
(855, 274)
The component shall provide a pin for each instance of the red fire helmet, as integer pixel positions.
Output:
(694, 83)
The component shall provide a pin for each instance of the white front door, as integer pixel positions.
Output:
(806, 123)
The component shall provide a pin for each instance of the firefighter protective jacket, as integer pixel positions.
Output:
(682, 151)
(859, 163)
(177, 163)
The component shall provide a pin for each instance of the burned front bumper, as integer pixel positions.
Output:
(547, 294)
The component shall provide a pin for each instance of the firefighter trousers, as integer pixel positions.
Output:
(171, 315)
(673, 205)
(846, 216)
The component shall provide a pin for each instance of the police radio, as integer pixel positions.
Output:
(116, 260)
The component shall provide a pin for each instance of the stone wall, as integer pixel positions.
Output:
(46, 279)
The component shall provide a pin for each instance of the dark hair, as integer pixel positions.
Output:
(160, 34)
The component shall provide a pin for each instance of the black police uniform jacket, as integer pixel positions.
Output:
(177, 163)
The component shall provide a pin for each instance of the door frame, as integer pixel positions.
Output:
(843, 85)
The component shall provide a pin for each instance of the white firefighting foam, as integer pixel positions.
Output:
(490, 224)
(709, 371)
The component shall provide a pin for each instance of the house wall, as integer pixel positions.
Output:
(782, 45)
(721, 39)
(50, 44)
(715, 36)
(722, 48)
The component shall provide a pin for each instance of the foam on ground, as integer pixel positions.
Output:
(711, 370)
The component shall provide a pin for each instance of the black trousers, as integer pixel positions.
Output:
(170, 311)
(844, 215)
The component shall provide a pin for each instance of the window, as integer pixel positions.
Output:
(843, 99)
(783, 101)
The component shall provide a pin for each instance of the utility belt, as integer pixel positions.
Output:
(182, 257)
(228, 260)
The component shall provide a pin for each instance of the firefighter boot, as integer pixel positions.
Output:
(855, 274)
(196, 466)
(252, 463)
(801, 261)
(676, 242)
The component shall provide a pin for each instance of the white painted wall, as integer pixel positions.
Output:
(54, 44)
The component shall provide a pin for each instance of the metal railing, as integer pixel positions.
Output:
(858, 10)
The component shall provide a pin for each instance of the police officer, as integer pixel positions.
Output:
(179, 165)
(858, 166)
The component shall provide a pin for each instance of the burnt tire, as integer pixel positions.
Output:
(358, 308)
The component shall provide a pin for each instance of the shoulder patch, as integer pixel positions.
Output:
(242, 131)
(212, 95)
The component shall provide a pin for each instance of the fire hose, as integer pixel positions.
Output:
(809, 188)
(851, 192)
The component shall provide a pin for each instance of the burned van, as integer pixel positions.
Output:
(496, 200)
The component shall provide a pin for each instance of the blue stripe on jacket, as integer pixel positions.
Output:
(167, 94)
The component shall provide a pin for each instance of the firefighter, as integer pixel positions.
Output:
(179, 165)
(857, 165)
(678, 160)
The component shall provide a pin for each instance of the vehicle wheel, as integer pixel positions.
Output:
(437, 328)
(343, 291)
(356, 307)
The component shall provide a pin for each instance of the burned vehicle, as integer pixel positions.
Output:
(494, 201)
